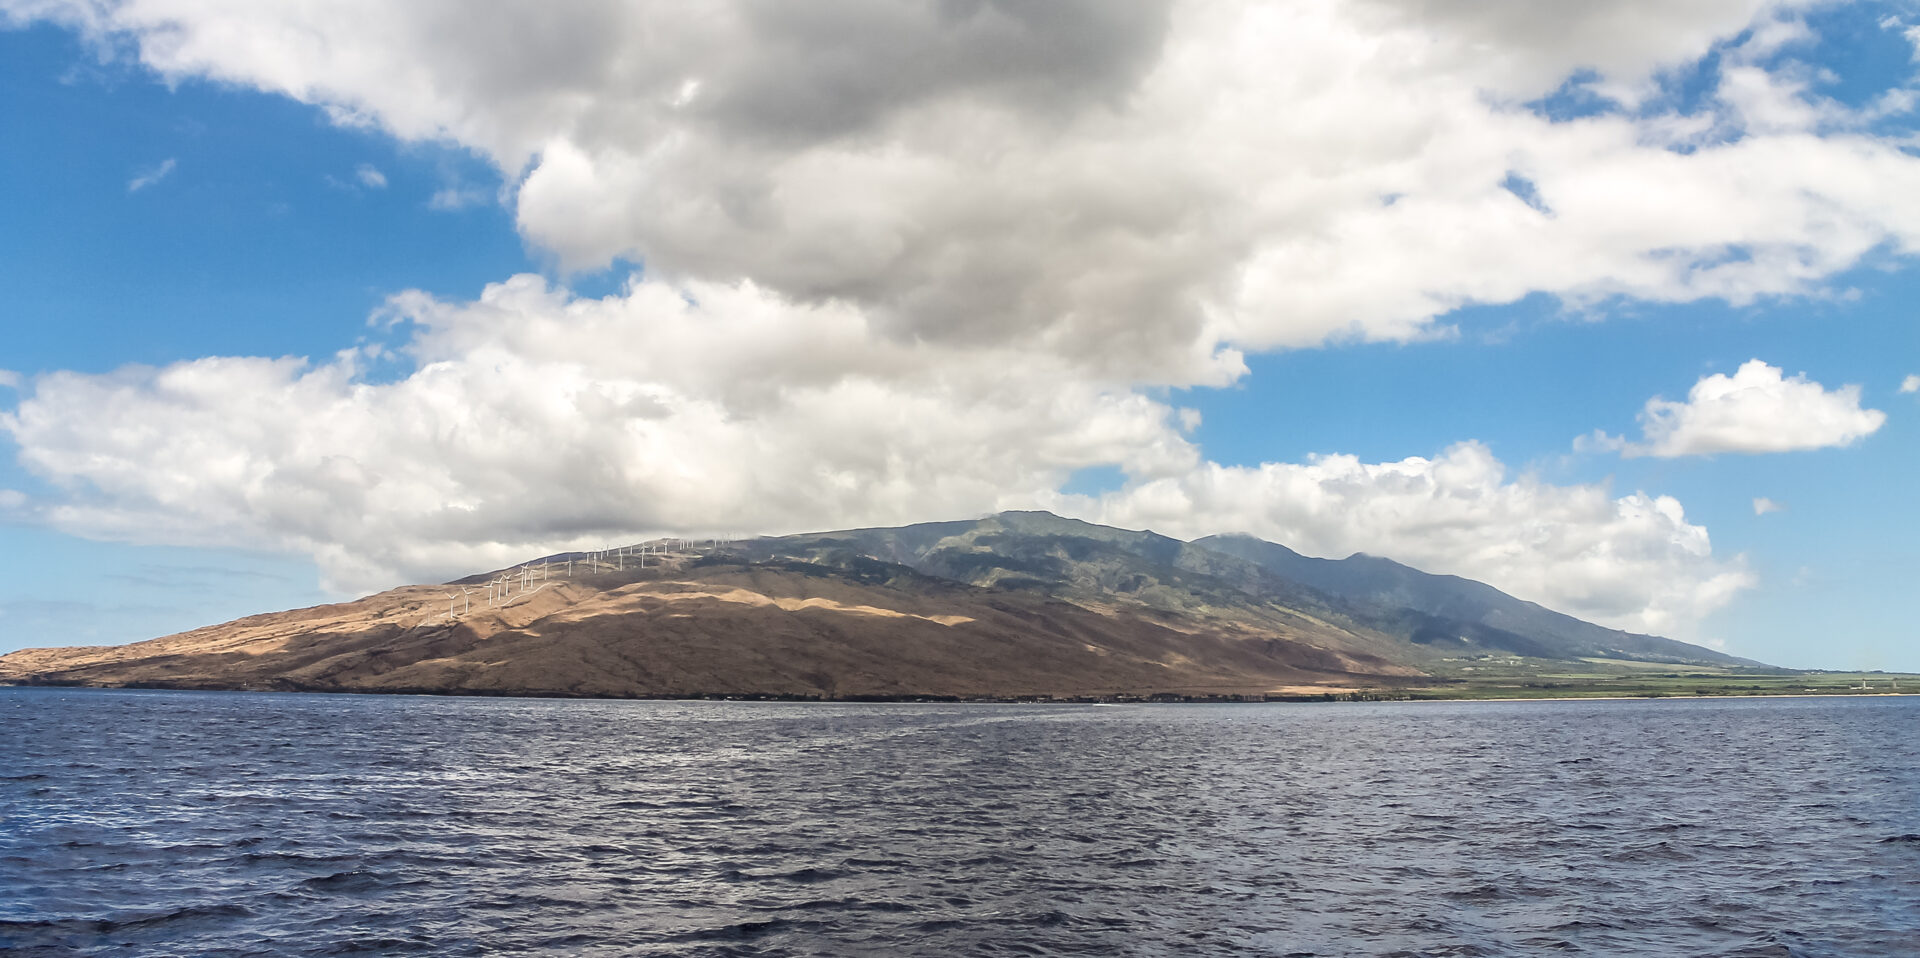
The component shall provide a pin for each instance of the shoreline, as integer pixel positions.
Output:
(1663, 695)
(1342, 696)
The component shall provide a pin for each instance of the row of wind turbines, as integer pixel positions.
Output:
(519, 581)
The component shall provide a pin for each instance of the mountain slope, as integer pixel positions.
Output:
(1102, 569)
(1015, 605)
(716, 625)
(1388, 584)
(1423, 617)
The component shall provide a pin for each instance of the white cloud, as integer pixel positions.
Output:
(941, 255)
(1763, 505)
(1111, 183)
(1629, 561)
(150, 176)
(370, 176)
(533, 421)
(10, 379)
(1758, 409)
(1911, 384)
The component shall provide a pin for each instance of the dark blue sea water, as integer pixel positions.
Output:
(236, 824)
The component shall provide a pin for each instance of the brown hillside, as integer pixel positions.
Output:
(735, 628)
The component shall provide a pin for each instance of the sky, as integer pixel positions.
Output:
(1608, 304)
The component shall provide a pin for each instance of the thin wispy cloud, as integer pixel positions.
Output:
(204, 579)
(1763, 505)
(151, 176)
(370, 176)
(1911, 384)
(455, 198)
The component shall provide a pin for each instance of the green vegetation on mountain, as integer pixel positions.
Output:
(1018, 605)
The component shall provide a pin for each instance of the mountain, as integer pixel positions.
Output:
(1440, 614)
(1503, 619)
(1021, 604)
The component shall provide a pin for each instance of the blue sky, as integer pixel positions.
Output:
(787, 359)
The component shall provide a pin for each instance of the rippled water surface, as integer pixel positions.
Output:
(215, 823)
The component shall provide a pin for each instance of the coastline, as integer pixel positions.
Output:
(1660, 696)
(1331, 697)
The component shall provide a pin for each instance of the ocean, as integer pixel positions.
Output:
(187, 823)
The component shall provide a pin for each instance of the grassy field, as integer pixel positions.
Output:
(1518, 678)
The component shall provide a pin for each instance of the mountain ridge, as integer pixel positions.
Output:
(1462, 598)
(1018, 604)
(1483, 611)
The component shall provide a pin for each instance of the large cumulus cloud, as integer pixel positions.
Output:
(908, 258)
(532, 420)
(1133, 186)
